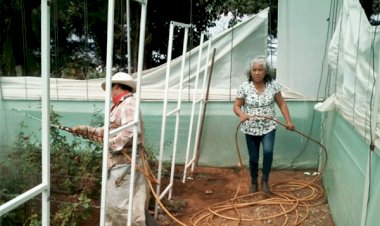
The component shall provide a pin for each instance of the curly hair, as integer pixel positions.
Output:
(269, 71)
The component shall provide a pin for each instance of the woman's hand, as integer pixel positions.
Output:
(290, 126)
(243, 117)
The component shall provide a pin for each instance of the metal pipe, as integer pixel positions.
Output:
(45, 101)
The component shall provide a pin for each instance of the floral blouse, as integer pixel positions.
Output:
(258, 104)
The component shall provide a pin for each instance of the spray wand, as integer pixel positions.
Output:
(67, 129)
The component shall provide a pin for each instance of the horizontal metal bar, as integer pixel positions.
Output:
(199, 100)
(167, 189)
(207, 33)
(121, 128)
(142, 1)
(190, 162)
(21, 199)
(172, 112)
(180, 24)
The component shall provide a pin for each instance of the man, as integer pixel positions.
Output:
(120, 148)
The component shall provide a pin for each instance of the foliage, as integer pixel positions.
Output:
(79, 33)
(240, 8)
(175, 206)
(152, 153)
(12, 181)
(70, 213)
(19, 172)
(74, 170)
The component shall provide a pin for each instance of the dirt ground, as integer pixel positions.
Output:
(219, 196)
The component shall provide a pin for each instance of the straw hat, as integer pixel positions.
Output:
(122, 78)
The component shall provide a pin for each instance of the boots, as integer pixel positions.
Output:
(254, 187)
(265, 186)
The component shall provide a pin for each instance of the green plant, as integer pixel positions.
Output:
(175, 206)
(19, 167)
(202, 175)
(74, 168)
(32, 221)
(151, 153)
(71, 213)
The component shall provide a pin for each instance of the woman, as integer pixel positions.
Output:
(254, 105)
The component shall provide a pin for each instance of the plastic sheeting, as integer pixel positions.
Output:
(304, 31)
(345, 174)
(354, 59)
(352, 129)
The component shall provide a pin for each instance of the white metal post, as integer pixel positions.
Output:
(137, 112)
(45, 111)
(107, 132)
(107, 105)
(176, 111)
(179, 101)
(201, 99)
(195, 90)
(164, 114)
(128, 36)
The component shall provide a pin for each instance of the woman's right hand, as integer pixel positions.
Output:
(243, 117)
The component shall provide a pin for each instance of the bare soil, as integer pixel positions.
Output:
(220, 196)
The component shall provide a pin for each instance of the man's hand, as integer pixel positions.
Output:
(87, 132)
(80, 130)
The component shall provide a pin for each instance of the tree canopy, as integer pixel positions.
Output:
(79, 32)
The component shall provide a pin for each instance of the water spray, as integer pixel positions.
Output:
(67, 129)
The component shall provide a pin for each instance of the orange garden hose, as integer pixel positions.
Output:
(157, 198)
(285, 195)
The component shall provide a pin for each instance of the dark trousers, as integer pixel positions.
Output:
(253, 144)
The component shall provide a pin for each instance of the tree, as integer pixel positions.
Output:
(18, 35)
(79, 32)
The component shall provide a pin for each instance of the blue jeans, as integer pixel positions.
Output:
(253, 144)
